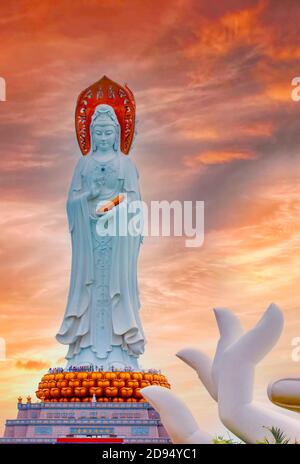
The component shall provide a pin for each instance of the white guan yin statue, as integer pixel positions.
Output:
(102, 323)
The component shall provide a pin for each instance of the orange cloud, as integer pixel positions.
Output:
(32, 364)
(218, 36)
(259, 129)
(205, 133)
(218, 157)
(280, 91)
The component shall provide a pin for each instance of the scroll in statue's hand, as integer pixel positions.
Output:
(108, 206)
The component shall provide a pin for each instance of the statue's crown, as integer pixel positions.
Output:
(120, 98)
(102, 117)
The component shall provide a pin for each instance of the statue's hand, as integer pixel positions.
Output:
(176, 417)
(95, 190)
(229, 378)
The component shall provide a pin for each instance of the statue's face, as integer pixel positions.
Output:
(104, 136)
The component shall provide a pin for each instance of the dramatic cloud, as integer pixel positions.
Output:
(219, 157)
(31, 364)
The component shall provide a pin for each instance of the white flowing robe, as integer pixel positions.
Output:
(77, 327)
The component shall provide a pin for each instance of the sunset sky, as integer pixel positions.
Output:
(216, 122)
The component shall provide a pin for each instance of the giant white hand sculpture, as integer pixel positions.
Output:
(229, 379)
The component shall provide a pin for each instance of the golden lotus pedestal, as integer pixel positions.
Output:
(102, 386)
(88, 407)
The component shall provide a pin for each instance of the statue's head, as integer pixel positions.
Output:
(105, 129)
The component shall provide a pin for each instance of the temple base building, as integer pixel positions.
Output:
(108, 422)
(89, 407)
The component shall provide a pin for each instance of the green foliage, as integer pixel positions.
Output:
(220, 440)
(278, 437)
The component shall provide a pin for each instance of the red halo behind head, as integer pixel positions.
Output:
(120, 98)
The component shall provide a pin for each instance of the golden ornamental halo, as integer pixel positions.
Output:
(120, 98)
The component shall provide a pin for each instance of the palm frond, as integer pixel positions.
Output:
(278, 436)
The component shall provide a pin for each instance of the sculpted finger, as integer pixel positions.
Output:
(175, 416)
(229, 326)
(230, 331)
(202, 364)
(256, 343)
